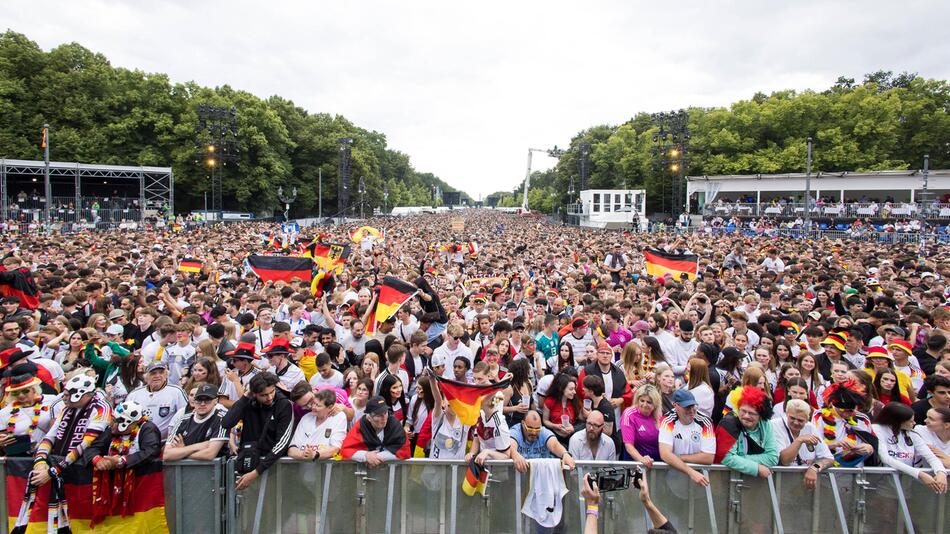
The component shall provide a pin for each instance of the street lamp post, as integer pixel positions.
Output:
(362, 187)
(319, 193)
(287, 200)
(924, 206)
(808, 190)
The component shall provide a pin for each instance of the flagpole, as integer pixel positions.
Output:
(46, 183)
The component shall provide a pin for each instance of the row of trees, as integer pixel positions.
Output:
(102, 114)
(885, 122)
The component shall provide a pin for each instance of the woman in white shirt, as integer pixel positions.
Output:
(900, 447)
(936, 432)
(699, 386)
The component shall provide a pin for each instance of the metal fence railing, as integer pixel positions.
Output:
(425, 496)
(847, 210)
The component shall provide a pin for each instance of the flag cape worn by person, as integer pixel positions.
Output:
(20, 283)
(363, 437)
(284, 268)
(476, 476)
(328, 256)
(466, 399)
(190, 265)
(660, 263)
(141, 512)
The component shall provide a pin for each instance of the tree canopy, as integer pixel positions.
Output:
(885, 122)
(107, 115)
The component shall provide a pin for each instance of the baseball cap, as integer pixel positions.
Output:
(640, 326)
(115, 330)
(296, 343)
(376, 405)
(206, 391)
(438, 360)
(159, 364)
(684, 398)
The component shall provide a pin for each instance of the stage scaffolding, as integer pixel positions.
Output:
(156, 184)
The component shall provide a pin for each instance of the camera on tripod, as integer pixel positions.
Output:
(608, 479)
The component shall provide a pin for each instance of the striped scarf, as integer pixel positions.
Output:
(830, 419)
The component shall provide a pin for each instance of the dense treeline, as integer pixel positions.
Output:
(885, 122)
(101, 114)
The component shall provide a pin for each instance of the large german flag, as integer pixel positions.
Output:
(328, 256)
(392, 295)
(143, 512)
(284, 268)
(659, 263)
(466, 399)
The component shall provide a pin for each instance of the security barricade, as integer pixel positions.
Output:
(423, 496)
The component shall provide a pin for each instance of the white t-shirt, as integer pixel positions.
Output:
(697, 437)
(783, 438)
(330, 432)
(160, 406)
(336, 380)
(290, 376)
(449, 355)
(922, 430)
(705, 399)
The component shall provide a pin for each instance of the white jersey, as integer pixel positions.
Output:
(696, 437)
(335, 380)
(329, 433)
(492, 432)
(448, 440)
(290, 376)
(178, 359)
(160, 406)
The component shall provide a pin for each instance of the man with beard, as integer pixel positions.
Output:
(268, 418)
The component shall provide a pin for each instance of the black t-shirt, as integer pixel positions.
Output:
(667, 527)
(209, 429)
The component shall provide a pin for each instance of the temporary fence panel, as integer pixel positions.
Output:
(195, 496)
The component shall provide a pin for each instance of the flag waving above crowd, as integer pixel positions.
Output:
(660, 263)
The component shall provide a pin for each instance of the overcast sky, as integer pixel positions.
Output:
(464, 88)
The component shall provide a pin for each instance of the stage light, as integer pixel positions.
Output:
(210, 148)
(674, 167)
(674, 153)
(211, 162)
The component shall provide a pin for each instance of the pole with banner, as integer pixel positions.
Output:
(48, 193)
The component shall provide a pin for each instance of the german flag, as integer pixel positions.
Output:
(328, 256)
(476, 476)
(141, 511)
(661, 263)
(392, 295)
(466, 399)
(322, 284)
(284, 268)
(190, 265)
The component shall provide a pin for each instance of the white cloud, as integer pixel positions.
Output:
(465, 89)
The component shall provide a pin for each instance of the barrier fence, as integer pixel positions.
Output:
(848, 210)
(423, 496)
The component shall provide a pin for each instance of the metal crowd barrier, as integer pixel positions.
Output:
(424, 496)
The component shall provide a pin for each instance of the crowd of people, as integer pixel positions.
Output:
(777, 352)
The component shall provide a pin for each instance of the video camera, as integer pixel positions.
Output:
(608, 479)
